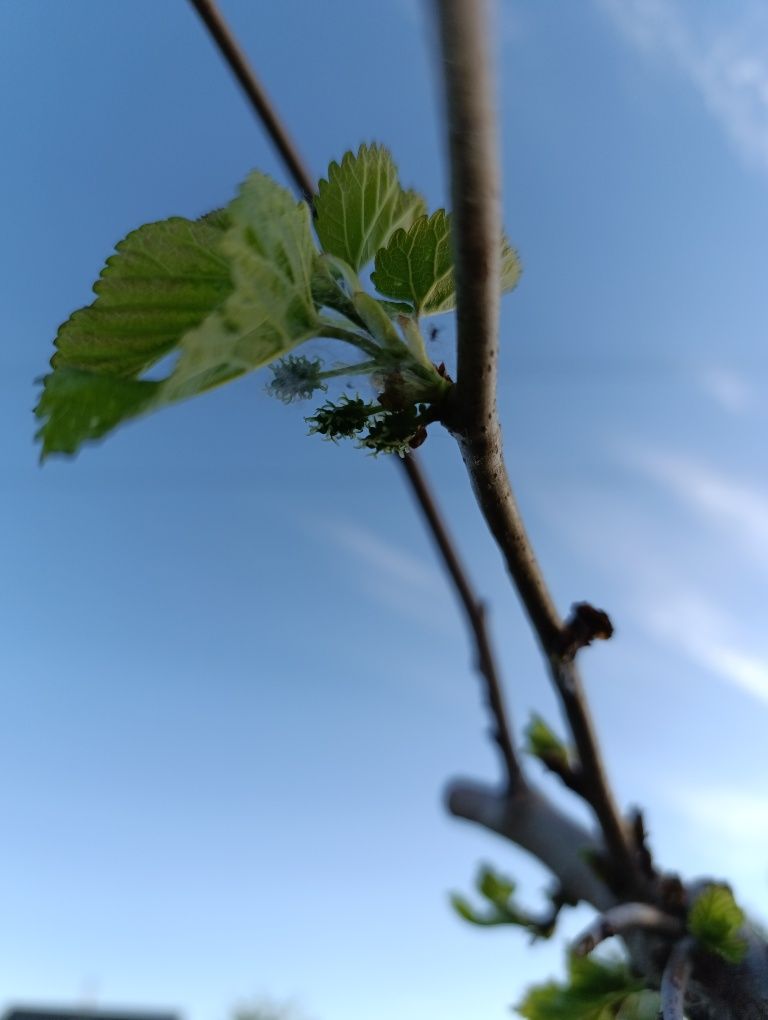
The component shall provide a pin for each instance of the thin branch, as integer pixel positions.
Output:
(238, 63)
(258, 98)
(674, 980)
(623, 919)
(534, 823)
(473, 416)
(474, 612)
(477, 253)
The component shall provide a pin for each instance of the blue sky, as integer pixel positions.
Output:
(234, 683)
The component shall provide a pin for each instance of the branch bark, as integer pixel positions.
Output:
(674, 980)
(472, 415)
(234, 56)
(624, 919)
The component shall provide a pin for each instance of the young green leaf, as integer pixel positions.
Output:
(162, 281)
(230, 292)
(271, 308)
(595, 991)
(499, 891)
(510, 267)
(489, 919)
(77, 406)
(543, 743)
(361, 204)
(644, 1005)
(716, 919)
(417, 266)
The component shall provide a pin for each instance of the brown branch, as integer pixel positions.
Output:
(474, 612)
(674, 980)
(472, 415)
(238, 63)
(625, 918)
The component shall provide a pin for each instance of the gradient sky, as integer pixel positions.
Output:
(234, 683)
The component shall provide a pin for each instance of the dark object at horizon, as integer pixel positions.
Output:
(83, 1013)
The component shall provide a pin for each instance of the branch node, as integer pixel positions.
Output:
(585, 625)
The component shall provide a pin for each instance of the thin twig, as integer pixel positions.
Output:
(258, 98)
(674, 980)
(473, 416)
(238, 63)
(625, 918)
(474, 612)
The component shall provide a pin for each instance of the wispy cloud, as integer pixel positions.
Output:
(691, 620)
(396, 578)
(707, 636)
(384, 556)
(725, 58)
(674, 595)
(731, 813)
(741, 508)
(729, 390)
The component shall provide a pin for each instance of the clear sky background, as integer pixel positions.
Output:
(234, 683)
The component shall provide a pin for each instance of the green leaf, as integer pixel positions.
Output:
(644, 1005)
(271, 308)
(229, 293)
(465, 909)
(543, 743)
(162, 281)
(76, 406)
(716, 920)
(499, 891)
(417, 266)
(361, 204)
(510, 267)
(595, 991)
(494, 886)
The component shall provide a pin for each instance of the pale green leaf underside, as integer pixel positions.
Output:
(361, 204)
(417, 266)
(233, 294)
(271, 309)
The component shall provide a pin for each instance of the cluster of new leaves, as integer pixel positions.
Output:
(716, 920)
(500, 907)
(595, 991)
(498, 891)
(242, 287)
